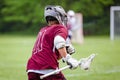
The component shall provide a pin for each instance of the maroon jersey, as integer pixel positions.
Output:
(44, 54)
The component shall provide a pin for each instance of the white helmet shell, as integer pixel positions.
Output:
(57, 12)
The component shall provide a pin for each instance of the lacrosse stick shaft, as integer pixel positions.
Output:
(54, 72)
(63, 68)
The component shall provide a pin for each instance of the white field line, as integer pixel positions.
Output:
(93, 72)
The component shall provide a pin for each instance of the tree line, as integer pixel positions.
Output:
(28, 15)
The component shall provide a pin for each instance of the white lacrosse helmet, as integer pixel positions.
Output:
(57, 12)
(71, 13)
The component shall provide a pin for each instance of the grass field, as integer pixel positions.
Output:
(15, 51)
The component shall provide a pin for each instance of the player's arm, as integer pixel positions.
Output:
(62, 31)
(60, 44)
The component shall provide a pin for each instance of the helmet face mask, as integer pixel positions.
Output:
(56, 12)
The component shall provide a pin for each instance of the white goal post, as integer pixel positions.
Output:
(77, 32)
(114, 22)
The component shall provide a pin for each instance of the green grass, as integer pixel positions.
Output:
(15, 51)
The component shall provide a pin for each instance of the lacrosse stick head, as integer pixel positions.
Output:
(85, 63)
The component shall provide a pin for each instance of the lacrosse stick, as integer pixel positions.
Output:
(83, 63)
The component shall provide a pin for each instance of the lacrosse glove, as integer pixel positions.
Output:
(70, 49)
(71, 61)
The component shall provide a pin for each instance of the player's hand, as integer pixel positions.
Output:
(70, 49)
(71, 61)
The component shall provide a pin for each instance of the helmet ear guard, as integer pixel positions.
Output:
(57, 12)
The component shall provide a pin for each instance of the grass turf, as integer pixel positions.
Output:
(15, 51)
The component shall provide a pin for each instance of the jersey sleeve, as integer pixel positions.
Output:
(61, 31)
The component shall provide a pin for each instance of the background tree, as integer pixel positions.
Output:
(28, 15)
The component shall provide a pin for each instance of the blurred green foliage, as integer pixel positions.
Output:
(28, 15)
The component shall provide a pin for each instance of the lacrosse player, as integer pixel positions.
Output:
(50, 46)
(71, 22)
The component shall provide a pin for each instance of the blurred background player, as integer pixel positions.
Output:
(71, 22)
(74, 27)
(50, 46)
